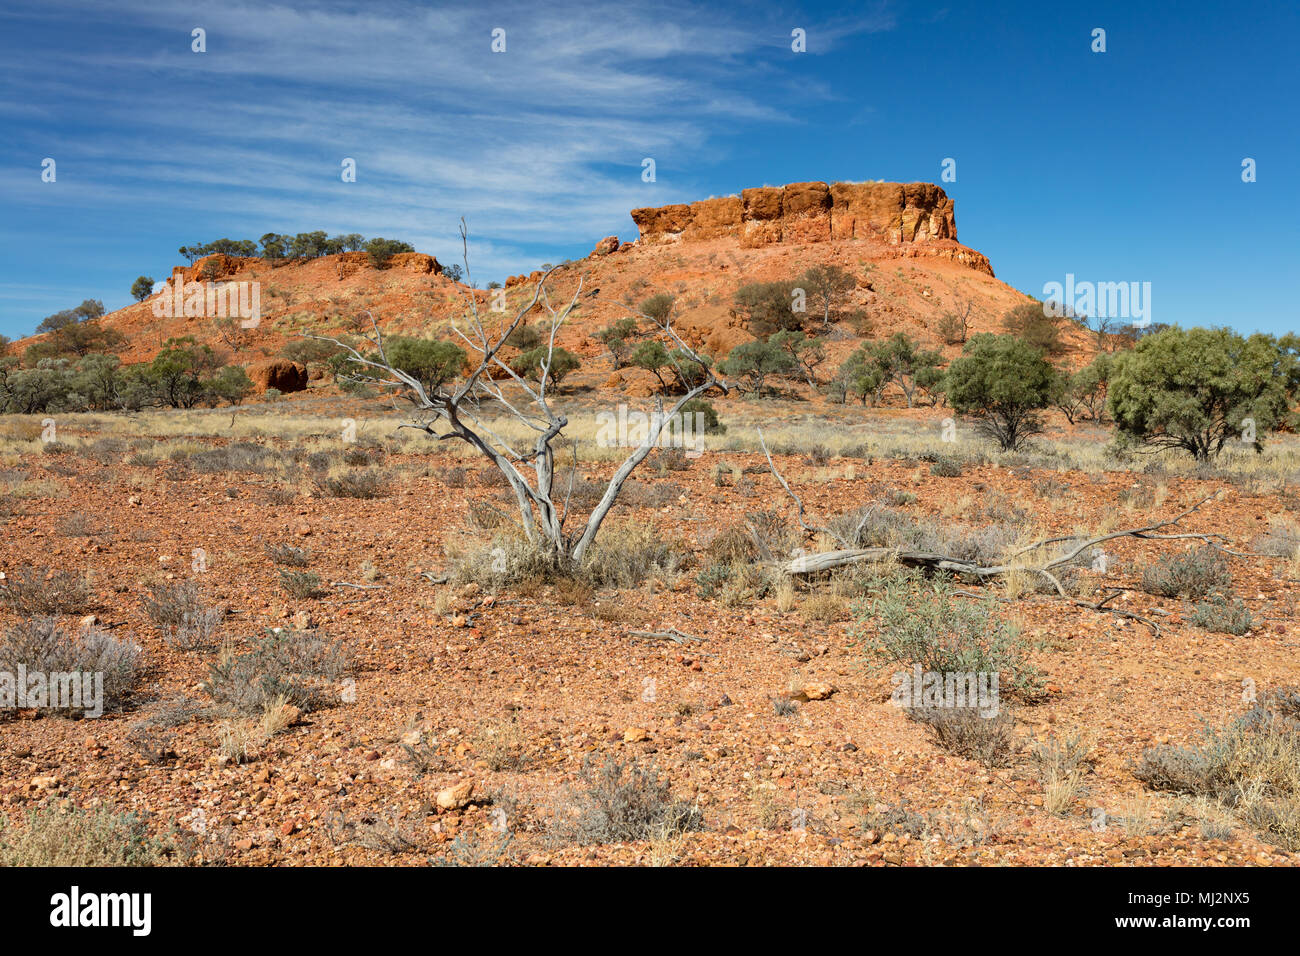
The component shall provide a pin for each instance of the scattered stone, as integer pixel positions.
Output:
(457, 797)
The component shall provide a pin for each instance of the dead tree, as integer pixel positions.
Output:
(455, 412)
(1070, 548)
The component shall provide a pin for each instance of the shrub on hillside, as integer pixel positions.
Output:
(292, 666)
(52, 836)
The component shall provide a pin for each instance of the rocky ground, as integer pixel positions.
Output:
(460, 729)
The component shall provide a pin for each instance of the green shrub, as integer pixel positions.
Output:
(82, 838)
(946, 467)
(1223, 615)
(1193, 574)
(562, 363)
(920, 624)
(290, 664)
(381, 251)
(300, 584)
(622, 803)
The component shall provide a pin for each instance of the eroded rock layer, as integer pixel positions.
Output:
(891, 213)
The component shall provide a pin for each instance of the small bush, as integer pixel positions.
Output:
(964, 731)
(1223, 616)
(40, 645)
(38, 590)
(946, 467)
(287, 555)
(732, 545)
(928, 626)
(1061, 764)
(773, 533)
(712, 426)
(452, 477)
(1282, 540)
(173, 604)
(1251, 766)
(300, 584)
(239, 456)
(1193, 574)
(76, 837)
(502, 745)
(622, 803)
(354, 484)
(625, 556)
(508, 560)
(287, 665)
(469, 849)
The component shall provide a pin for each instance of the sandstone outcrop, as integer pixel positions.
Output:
(891, 213)
(280, 374)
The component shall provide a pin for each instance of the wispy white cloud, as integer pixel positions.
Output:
(541, 144)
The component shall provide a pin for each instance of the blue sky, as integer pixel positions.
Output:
(1115, 166)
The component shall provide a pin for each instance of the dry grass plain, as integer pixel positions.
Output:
(422, 660)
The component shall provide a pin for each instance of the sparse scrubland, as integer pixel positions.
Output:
(307, 674)
(934, 576)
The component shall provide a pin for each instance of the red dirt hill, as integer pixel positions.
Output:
(898, 239)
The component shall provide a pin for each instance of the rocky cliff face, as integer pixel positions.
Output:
(891, 213)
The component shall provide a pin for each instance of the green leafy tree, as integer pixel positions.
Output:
(827, 287)
(859, 377)
(902, 362)
(431, 362)
(177, 371)
(308, 245)
(89, 310)
(653, 357)
(231, 384)
(98, 379)
(381, 251)
(274, 246)
(757, 362)
(1031, 322)
(616, 337)
(1004, 382)
(142, 288)
(687, 372)
(1198, 389)
(533, 363)
(767, 307)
